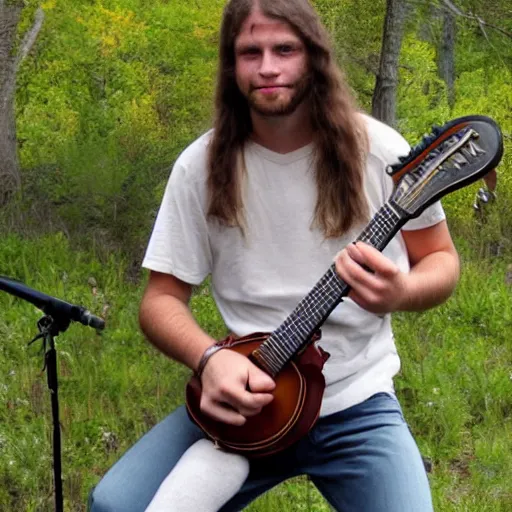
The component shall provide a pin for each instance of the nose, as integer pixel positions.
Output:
(269, 65)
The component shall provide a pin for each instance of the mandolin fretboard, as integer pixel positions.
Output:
(298, 328)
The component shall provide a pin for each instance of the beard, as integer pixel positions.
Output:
(275, 106)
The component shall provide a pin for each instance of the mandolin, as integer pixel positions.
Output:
(449, 158)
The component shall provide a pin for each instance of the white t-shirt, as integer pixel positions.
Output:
(258, 280)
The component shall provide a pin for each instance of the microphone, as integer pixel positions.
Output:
(51, 306)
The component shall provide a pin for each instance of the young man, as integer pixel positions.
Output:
(289, 176)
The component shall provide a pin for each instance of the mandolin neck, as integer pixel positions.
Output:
(297, 331)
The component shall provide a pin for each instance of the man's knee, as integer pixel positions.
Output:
(97, 502)
(105, 498)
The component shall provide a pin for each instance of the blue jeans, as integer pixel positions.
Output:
(362, 459)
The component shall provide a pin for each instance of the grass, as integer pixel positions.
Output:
(455, 383)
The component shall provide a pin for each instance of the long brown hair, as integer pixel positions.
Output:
(339, 137)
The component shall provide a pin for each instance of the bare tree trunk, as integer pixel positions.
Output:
(10, 60)
(9, 173)
(384, 94)
(446, 56)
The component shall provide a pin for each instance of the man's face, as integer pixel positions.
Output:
(271, 65)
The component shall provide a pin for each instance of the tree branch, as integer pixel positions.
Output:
(30, 37)
(481, 23)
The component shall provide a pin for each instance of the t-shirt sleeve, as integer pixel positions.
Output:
(179, 244)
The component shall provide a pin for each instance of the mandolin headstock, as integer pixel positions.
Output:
(451, 157)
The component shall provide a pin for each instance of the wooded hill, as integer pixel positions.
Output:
(98, 98)
(109, 92)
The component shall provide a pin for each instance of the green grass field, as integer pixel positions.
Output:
(455, 383)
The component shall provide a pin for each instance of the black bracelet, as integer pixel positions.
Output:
(205, 357)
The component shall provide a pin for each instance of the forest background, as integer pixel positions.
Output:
(108, 93)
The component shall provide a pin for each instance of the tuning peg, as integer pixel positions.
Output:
(460, 159)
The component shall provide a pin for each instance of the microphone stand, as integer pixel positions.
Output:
(58, 316)
(48, 329)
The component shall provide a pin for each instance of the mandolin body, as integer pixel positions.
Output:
(295, 408)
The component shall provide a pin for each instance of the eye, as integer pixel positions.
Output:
(251, 51)
(285, 49)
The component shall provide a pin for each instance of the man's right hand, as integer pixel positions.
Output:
(226, 381)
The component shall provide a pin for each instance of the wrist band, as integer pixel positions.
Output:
(204, 358)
